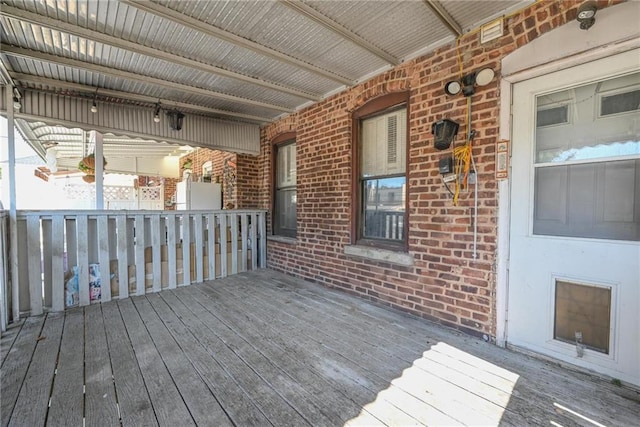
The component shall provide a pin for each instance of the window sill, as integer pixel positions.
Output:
(399, 258)
(282, 239)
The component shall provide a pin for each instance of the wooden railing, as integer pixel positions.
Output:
(68, 258)
(4, 270)
(384, 224)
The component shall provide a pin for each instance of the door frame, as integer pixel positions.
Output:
(577, 47)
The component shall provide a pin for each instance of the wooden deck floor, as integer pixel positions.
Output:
(261, 349)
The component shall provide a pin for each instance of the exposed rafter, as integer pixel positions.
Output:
(5, 77)
(59, 84)
(444, 16)
(326, 22)
(187, 21)
(107, 71)
(54, 24)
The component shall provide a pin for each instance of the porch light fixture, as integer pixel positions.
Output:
(468, 83)
(94, 106)
(156, 113)
(17, 105)
(586, 14)
(176, 118)
(444, 131)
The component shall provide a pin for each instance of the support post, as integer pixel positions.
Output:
(98, 152)
(13, 219)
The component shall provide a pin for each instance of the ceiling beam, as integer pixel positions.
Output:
(108, 71)
(314, 15)
(5, 76)
(444, 16)
(187, 21)
(59, 84)
(54, 24)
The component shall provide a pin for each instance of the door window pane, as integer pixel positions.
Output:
(587, 173)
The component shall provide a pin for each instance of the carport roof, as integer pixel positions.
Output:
(250, 61)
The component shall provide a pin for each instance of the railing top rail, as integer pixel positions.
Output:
(114, 213)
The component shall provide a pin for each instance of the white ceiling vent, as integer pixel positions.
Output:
(491, 31)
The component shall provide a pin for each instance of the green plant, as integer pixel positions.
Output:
(88, 163)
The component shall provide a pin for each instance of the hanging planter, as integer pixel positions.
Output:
(87, 165)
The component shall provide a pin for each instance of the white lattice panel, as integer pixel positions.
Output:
(113, 192)
(150, 193)
(80, 192)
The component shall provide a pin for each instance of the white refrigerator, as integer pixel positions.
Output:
(198, 196)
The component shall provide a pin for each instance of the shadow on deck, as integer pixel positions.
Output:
(262, 348)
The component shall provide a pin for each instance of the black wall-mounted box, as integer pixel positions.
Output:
(445, 165)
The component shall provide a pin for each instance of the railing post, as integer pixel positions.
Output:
(103, 257)
(123, 260)
(57, 263)
(34, 263)
(4, 258)
(263, 239)
(171, 248)
(156, 235)
(223, 245)
(82, 226)
(141, 274)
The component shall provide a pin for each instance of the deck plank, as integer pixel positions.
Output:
(100, 398)
(15, 367)
(33, 400)
(356, 336)
(133, 398)
(282, 384)
(262, 348)
(240, 408)
(326, 357)
(337, 405)
(272, 405)
(169, 408)
(7, 340)
(202, 404)
(67, 398)
(491, 361)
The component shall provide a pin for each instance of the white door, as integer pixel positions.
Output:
(574, 269)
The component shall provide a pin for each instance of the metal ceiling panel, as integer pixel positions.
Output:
(167, 50)
(136, 122)
(114, 58)
(471, 14)
(68, 74)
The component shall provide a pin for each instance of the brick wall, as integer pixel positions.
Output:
(446, 284)
(170, 187)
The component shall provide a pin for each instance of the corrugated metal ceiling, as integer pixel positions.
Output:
(235, 60)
